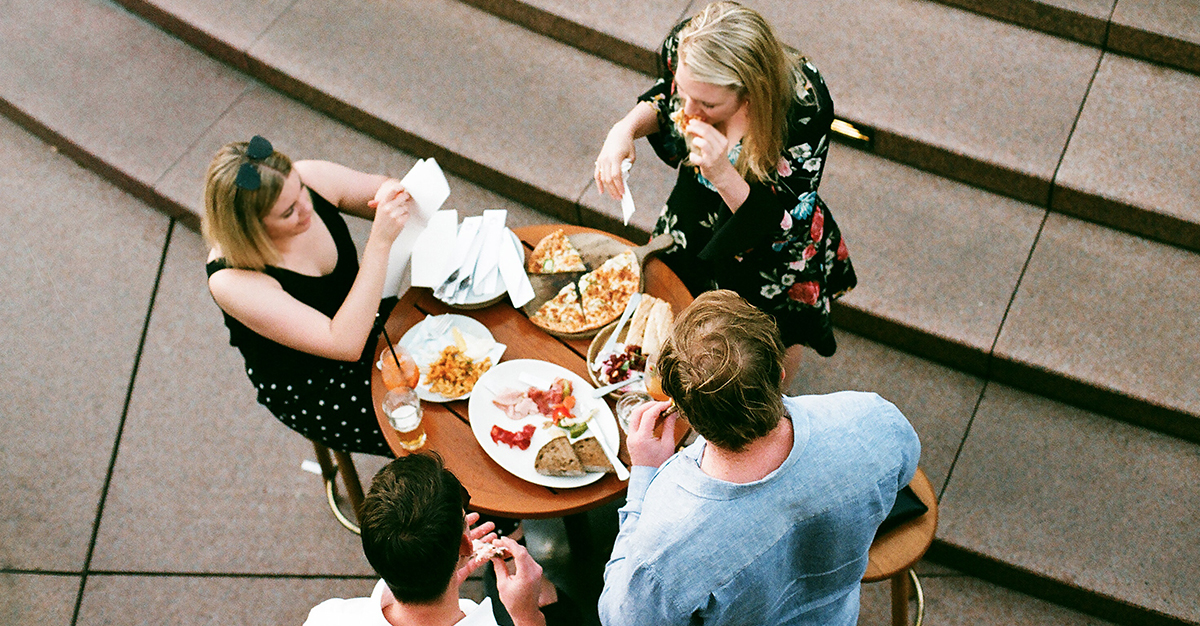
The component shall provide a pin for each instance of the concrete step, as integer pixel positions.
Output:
(1001, 126)
(1161, 31)
(1050, 500)
(146, 110)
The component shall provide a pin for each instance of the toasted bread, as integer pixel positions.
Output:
(557, 458)
(591, 455)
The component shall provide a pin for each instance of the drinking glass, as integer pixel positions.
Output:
(403, 408)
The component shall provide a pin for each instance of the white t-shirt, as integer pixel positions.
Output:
(369, 611)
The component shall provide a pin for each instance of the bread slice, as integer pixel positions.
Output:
(592, 456)
(637, 323)
(658, 328)
(557, 458)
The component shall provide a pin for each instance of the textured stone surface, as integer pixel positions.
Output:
(238, 24)
(937, 400)
(929, 253)
(119, 88)
(1138, 129)
(302, 133)
(944, 77)
(79, 267)
(1178, 19)
(37, 599)
(1111, 310)
(638, 22)
(189, 601)
(1080, 498)
(532, 108)
(207, 480)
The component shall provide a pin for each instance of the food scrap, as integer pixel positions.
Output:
(484, 550)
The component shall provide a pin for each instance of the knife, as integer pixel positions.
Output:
(601, 391)
(625, 315)
(622, 471)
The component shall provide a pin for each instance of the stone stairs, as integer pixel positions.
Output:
(1023, 220)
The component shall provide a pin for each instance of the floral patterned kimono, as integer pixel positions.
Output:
(781, 250)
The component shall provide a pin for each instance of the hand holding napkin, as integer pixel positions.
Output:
(426, 183)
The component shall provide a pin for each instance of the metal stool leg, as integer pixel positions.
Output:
(329, 472)
(900, 591)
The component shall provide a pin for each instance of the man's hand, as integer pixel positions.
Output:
(484, 533)
(521, 590)
(644, 448)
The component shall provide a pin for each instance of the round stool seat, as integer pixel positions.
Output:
(894, 553)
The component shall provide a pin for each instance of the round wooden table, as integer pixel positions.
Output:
(493, 489)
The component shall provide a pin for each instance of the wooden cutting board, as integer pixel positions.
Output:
(595, 248)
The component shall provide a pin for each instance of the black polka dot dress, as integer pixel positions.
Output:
(325, 400)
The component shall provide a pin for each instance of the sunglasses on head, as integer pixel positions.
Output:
(248, 177)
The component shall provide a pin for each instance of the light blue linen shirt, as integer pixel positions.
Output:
(790, 548)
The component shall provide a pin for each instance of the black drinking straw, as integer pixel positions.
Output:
(392, 349)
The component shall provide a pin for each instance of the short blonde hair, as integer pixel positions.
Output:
(732, 46)
(233, 216)
(723, 367)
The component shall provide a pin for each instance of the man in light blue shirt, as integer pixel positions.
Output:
(768, 517)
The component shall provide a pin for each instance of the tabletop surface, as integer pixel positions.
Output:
(493, 489)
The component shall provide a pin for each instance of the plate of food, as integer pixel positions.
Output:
(537, 420)
(637, 341)
(452, 352)
(484, 300)
(583, 281)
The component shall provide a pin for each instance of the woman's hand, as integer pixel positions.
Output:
(392, 204)
(617, 147)
(709, 150)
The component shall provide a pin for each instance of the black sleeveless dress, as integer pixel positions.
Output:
(326, 400)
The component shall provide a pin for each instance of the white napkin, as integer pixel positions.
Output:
(512, 270)
(462, 244)
(428, 186)
(626, 198)
(486, 275)
(433, 251)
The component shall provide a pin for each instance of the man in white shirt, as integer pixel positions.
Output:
(418, 537)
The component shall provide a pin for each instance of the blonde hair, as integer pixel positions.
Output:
(723, 367)
(731, 46)
(233, 216)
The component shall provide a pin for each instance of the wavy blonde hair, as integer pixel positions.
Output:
(731, 46)
(233, 217)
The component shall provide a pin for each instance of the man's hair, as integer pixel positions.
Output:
(412, 526)
(723, 365)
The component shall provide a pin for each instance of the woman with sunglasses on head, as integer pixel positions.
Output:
(746, 121)
(285, 272)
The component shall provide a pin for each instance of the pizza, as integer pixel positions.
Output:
(555, 254)
(563, 313)
(682, 120)
(606, 291)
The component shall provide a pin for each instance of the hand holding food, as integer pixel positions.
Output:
(645, 448)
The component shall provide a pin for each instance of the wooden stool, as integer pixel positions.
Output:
(329, 471)
(894, 553)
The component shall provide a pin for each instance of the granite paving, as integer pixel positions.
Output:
(80, 265)
(1081, 20)
(122, 91)
(1167, 31)
(930, 253)
(302, 133)
(37, 598)
(201, 601)
(1079, 498)
(1107, 166)
(1132, 330)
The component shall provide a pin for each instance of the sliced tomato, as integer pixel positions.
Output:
(559, 413)
(569, 402)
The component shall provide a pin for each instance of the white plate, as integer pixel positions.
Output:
(478, 300)
(484, 414)
(425, 350)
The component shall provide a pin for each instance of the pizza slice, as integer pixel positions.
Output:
(555, 254)
(562, 313)
(607, 290)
